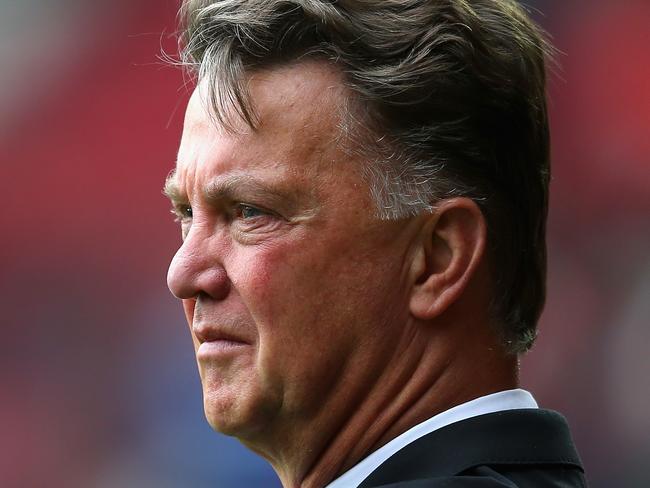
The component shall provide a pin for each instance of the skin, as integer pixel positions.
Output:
(339, 330)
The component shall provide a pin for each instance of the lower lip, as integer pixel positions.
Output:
(213, 349)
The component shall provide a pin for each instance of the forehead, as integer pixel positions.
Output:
(294, 92)
(299, 110)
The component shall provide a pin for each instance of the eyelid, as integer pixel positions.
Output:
(240, 207)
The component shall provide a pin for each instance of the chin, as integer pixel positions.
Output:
(221, 424)
(237, 415)
(223, 414)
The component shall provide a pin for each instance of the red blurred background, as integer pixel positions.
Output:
(99, 387)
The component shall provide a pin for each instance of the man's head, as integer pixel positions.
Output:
(362, 188)
(283, 254)
(446, 98)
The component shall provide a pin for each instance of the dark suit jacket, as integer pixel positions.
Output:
(525, 448)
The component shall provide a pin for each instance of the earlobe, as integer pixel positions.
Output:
(451, 247)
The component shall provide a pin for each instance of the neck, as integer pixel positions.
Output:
(421, 380)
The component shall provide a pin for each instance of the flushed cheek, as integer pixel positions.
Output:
(303, 282)
(275, 282)
(306, 317)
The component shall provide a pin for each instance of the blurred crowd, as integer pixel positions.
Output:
(99, 385)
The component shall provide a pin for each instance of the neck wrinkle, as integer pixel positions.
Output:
(371, 418)
(420, 380)
(404, 395)
(317, 468)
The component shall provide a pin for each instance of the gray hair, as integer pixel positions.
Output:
(448, 99)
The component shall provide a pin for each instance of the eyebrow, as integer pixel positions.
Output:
(172, 189)
(232, 188)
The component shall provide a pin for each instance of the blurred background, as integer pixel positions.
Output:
(98, 385)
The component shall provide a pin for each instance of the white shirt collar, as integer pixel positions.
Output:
(496, 402)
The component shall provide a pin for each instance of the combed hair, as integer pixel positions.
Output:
(448, 99)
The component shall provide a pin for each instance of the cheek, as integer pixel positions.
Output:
(316, 317)
(268, 282)
(302, 296)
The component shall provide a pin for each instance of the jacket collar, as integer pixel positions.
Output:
(526, 437)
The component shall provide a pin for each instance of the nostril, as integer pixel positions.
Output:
(215, 283)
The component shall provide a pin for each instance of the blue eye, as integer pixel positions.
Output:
(248, 212)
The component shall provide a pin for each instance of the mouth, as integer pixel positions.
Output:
(214, 349)
(214, 342)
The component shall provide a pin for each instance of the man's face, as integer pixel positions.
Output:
(292, 288)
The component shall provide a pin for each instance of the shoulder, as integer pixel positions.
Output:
(487, 477)
(510, 449)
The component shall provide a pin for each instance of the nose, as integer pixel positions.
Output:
(197, 269)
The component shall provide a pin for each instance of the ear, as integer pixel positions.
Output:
(451, 246)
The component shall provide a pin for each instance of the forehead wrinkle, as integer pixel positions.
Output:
(277, 91)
